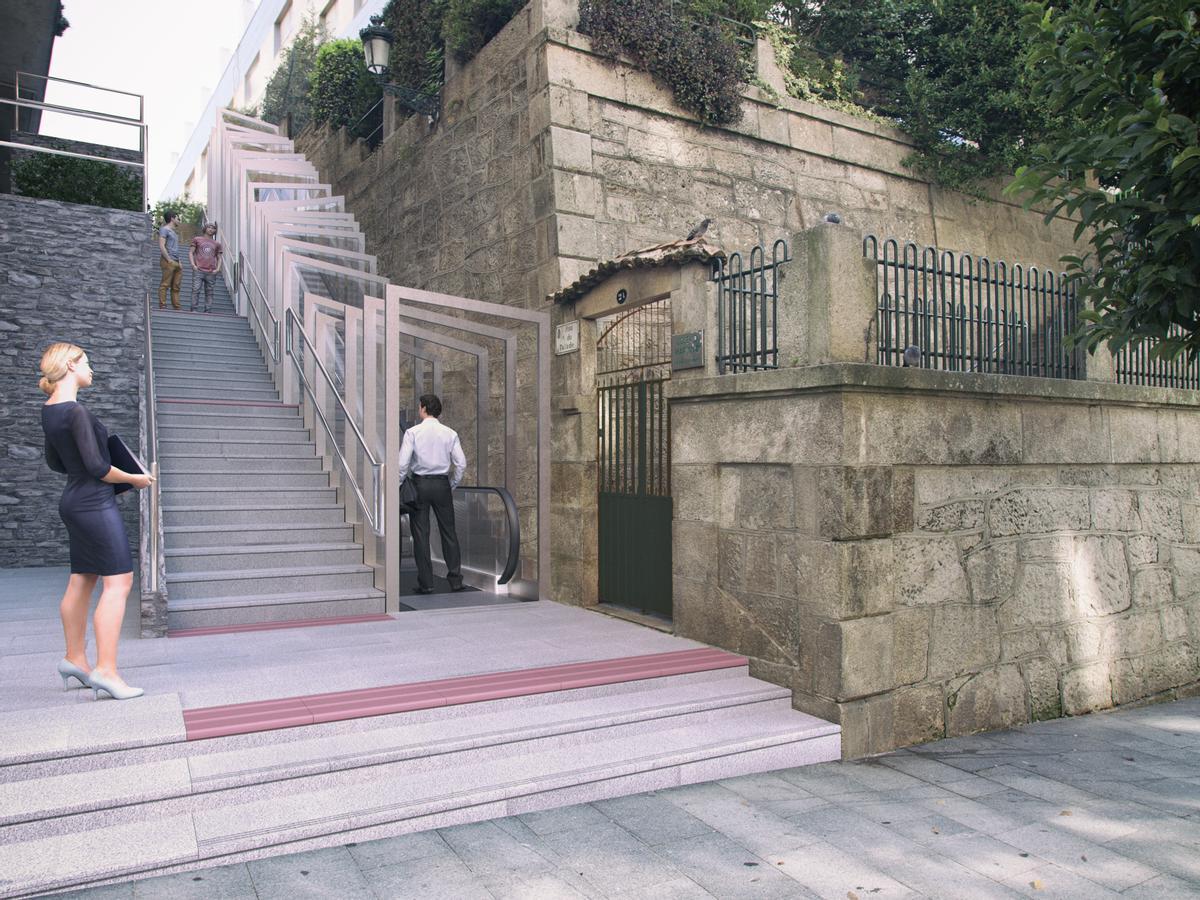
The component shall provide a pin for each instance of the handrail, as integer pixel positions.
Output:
(374, 510)
(86, 84)
(155, 529)
(514, 527)
(273, 341)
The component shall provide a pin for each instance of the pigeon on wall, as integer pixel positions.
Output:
(699, 230)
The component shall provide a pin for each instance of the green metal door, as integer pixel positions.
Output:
(634, 461)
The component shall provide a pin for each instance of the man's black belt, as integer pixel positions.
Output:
(444, 475)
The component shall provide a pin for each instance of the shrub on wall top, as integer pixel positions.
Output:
(45, 176)
(415, 61)
(341, 89)
(189, 211)
(469, 24)
(691, 55)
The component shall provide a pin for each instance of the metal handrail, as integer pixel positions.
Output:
(155, 528)
(273, 341)
(374, 510)
(86, 84)
(514, 527)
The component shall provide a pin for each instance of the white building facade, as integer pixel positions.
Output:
(269, 31)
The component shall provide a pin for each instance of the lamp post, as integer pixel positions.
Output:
(377, 40)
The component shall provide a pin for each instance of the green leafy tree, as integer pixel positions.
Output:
(287, 91)
(1131, 70)
(341, 89)
(416, 57)
(189, 210)
(469, 24)
(50, 177)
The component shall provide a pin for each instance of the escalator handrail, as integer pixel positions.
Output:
(514, 527)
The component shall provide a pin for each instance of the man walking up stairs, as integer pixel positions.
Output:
(253, 530)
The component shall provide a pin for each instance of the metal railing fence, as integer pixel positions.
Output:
(34, 108)
(748, 309)
(253, 290)
(1137, 364)
(154, 530)
(372, 509)
(958, 313)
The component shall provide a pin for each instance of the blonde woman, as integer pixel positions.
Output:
(77, 446)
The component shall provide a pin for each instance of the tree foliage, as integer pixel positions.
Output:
(690, 54)
(189, 210)
(469, 24)
(1131, 70)
(341, 90)
(50, 177)
(949, 72)
(417, 52)
(287, 91)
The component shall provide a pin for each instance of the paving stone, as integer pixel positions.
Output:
(652, 818)
(1164, 887)
(610, 858)
(754, 828)
(727, 870)
(389, 851)
(828, 871)
(1049, 880)
(1092, 861)
(331, 872)
(440, 875)
(210, 884)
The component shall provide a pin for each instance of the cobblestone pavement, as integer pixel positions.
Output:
(1100, 806)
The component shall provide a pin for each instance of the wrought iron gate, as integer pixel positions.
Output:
(633, 364)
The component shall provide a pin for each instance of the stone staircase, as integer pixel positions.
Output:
(144, 800)
(253, 530)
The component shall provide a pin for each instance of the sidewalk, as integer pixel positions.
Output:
(1100, 806)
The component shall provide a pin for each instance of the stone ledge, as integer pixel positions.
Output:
(866, 377)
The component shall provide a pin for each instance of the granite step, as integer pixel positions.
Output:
(212, 611)
(243, 480)
(263, 497)
(282, 429)
(247, 514)
(179, 536)
(211, 586)
(262, 556)
(230, 448)
(331, 808)
(220, 393)
(219, 407)
(179, 464)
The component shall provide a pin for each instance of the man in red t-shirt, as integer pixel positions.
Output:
(205, 255)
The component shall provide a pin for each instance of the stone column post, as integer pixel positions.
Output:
(694, 308)
(826, 299)
(1100, 366)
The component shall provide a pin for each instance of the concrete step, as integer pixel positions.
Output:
(220, 612)
(288, 431)
(217, 393)
(215, 386)
(187, 585)
(222, 407)
(248, 447)
(201, 374)
(267, 496)
(256, 557)
(199, 324)
(181, 536)
(243, 481)
(175, 415)
(168, 353)
(327, 808)
(193, 369)
(246, 515)
(241, 339)
(186, 465)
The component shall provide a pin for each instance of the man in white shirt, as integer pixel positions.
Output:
(433, 457)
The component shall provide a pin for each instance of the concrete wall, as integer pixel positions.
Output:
(72, 273)
(922, 554)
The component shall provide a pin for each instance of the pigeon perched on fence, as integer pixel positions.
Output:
(912, 356)
(699, 230)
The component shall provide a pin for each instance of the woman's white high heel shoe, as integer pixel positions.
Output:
(68, 670)
(100, 683)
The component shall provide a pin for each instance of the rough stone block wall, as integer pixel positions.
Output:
(922, 555)
(71, 273)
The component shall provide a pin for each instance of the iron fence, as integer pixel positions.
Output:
(1137, 364)
(959, 313)
(748, 309)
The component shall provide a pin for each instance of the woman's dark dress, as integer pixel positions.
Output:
(77, 445)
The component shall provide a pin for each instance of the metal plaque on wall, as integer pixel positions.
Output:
(687, 350)
(566, 338)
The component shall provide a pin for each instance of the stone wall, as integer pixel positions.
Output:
(922, 554)
(73, 273)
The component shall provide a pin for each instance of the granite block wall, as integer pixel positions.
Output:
(79, 274)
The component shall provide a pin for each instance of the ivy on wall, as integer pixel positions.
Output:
(689, 53)
(48, 177)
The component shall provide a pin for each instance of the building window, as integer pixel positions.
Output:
(283, 27)
(359, 4)
(248, 82)
(187, 186)
(329, 17)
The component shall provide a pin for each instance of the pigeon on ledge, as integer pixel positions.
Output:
(699, 230)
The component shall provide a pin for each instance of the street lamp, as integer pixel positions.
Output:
(377, 42)
(377, 46)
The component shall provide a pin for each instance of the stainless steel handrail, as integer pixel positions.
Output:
(514, 527)
(143, 132)
(374, 510)
(155, 529)
(86, 84)
(273, 340)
